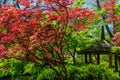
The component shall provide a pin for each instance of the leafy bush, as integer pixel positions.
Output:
(84, 72)
(33, 70)
(47, 74)
(115, 49)
(11, 68)
(91, 72)
(75, 72)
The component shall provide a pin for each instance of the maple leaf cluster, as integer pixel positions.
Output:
(109, 9)
(113, 16)
(109, 5)
(17, 26)
(116, 38)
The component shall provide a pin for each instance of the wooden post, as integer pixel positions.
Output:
(86, 58)
(116, 62)
(98, 58)
(110, 60)
(90, 58)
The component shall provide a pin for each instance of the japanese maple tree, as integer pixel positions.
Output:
(37, 33)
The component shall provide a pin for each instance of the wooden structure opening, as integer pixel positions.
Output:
(102, 48)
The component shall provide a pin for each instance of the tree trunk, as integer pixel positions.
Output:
(109, 32)
(73, 56)
(74, 61)
(98, 58)
(59, 74)
(102, 33)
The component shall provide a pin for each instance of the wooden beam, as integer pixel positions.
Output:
(95, 52)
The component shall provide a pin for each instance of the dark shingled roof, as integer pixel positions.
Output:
(102, 47)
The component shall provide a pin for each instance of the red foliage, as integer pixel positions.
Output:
(109, 5)
(3, 51)
(114, 18)
(116, 38)
(24, 27)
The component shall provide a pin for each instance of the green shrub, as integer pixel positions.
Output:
(75, 72)
(47, 74)
(84, 72)
(33, 70)
(91, 72)
(11, 68)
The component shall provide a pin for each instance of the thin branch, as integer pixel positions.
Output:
(55, 9)
(17, 4)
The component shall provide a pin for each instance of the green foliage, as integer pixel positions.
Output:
(12, 68)
(84, 72)
(75, 72)
(39, 73)
(115, 49)
(82, 39)
(91, 72)
(29, 68)
(47, 74)
(102, 11)
(117, 9)
(16, 68)
(78, 3)
(33, 70)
